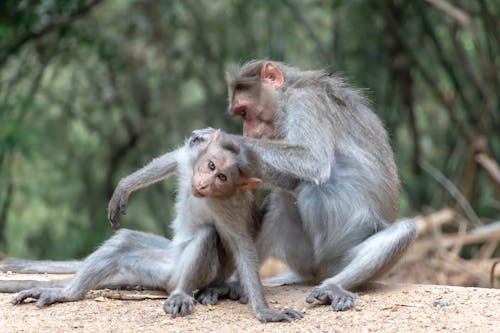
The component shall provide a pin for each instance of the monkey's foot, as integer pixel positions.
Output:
(268, 315)
(231, 290)
(339, 298)
(45, 296)
(179, 304)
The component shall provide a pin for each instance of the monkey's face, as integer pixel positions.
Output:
(215, 174)
(257, 104)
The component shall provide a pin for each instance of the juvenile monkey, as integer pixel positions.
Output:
(214, 229)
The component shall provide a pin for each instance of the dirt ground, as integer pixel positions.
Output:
(382, 308)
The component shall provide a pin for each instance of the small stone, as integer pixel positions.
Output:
(441, 302)
(318, 326)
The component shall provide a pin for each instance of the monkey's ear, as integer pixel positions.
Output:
(272, 75)
(249, 184)
(215, 136)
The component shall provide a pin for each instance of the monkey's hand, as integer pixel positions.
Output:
(179, 303)
(117, 206)
(339, 298)
(200, 135)
(267, 315)
(212, 294)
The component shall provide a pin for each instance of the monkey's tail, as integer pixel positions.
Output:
(28, 266)
(14, 286)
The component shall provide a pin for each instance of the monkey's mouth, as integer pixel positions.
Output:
(197, 193)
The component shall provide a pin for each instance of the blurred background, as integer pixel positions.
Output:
(91, 90)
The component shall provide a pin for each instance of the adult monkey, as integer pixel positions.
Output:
(336, 187)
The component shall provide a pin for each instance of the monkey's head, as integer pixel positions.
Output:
(224, 168)
(253, 95)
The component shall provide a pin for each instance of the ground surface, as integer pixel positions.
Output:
(408, 308)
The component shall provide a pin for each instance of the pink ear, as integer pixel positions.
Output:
(249, 184)
(272, 75)
(215, 136)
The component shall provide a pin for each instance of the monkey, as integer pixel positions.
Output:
(335, 186)
(213, 232)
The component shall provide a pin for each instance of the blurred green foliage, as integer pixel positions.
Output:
(91, 90)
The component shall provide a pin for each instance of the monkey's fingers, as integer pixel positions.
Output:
(237, 293)
(113, 219)
(319, 295)
(270, 315)
(179, 304)
(339, 298)
(292, 313)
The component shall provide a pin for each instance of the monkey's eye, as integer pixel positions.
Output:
(211, 165)
(222, 177)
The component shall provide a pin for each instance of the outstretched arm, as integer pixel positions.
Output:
(158, 169)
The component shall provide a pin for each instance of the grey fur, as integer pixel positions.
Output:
(27, 266)
(336, 184)
(212, 236)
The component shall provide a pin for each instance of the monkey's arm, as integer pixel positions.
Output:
(307, 151)
(158, 169)
(295, 160)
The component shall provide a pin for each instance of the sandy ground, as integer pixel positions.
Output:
(383, 308)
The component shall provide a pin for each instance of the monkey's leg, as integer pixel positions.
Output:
(39, 266)
(128, 258)
(283, 236)
(246, 261)
(197, 267)
(372, 257)
(221, 288)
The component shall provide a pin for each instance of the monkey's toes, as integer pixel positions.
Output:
(54, 295)
(342, 303)
(23, 295)
(294, 314)
(270, 315)
(209, 295)
(339, 298)
(237, 293)
(212, 294)
(179, 304)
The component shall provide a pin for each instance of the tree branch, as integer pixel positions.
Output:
(14, 47)
(490, 165)
(455, 12)
(325, 55)
(452, 189)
